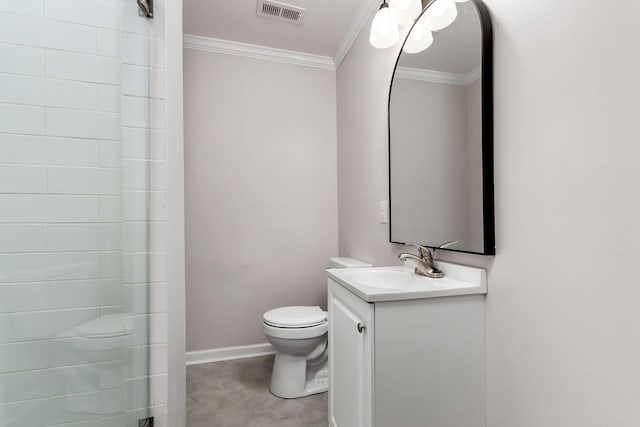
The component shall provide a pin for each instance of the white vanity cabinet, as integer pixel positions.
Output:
(406, 363)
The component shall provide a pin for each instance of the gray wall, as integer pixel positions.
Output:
(563, 322)
(261, 192)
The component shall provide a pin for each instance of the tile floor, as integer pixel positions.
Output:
(236, 393)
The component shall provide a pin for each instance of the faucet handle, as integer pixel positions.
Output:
(424, 251)
(447, 244)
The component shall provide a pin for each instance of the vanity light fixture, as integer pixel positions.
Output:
(384, 32)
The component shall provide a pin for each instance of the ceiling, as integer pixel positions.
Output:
(328, 29)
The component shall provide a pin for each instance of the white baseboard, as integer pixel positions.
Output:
(229, 353)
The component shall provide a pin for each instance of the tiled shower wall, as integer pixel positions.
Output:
(81, 214)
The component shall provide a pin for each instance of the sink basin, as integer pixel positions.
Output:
(400, 282)
(395, 279)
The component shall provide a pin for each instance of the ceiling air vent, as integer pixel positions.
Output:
(280, 11)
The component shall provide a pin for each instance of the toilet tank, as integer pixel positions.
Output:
(344, 262)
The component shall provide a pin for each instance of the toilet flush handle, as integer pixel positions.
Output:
(360, 327)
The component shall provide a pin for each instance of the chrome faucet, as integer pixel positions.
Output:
(424, 261)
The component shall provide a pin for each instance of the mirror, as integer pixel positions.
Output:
(441, 131)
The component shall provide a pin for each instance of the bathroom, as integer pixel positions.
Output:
(213, 236)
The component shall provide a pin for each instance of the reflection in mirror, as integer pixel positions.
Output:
(440, 131)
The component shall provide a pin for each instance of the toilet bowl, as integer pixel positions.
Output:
(299, 335)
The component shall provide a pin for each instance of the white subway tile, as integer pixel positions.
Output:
(48, 208)
(24, 356)
(46, 92)
(84, 407)
(83, 67)
(85, 293)
(72, 208)
(23, 179)
(149, 329)
(98, 13)
(74, 322)
(110, 154)
(23, 238)
(109, 42)
(143, 112)
(83, 124)
(141, 50)
(72, 351)
(143, 175)
(111, 264)
(22, 7)
(143, 81)
(21, 118)
(87, 378)
(75, 237)
(33, 413)
(136, 268)
(111, 237)
(19, 297)
(34, 267)
(146, 360)
(143, 144)
(23, 327)
(25, 385)
(143, 205)
(85, 237)
(141, 299)
(146, 391)
(39, 32)
(111, 208)
(144, 268)
(43, 150)
(144, 237)
(23, 208)
(74, 180)
(21, 59)
(109, 98)
(117, 421)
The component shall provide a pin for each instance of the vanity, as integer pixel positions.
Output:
(406, 350)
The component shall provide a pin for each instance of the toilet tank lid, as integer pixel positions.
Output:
(295, 316)
(344, 262)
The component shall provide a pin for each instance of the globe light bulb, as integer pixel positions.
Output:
(440, 14)
(419, 39)
(384, 32)
(404, 11)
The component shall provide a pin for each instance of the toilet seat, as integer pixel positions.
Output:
(295, 333)
(295, 317)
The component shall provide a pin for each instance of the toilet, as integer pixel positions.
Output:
(299, 336)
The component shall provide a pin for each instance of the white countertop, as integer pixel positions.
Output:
(375, 284)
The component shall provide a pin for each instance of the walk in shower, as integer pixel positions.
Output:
(82, 330)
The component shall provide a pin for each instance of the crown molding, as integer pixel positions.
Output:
(367, 7)
(258, 52)
(432, 76)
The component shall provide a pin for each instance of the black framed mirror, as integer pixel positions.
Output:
(441, 130)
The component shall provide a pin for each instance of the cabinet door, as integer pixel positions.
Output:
(350, 358)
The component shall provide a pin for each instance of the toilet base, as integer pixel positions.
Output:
(294, 377)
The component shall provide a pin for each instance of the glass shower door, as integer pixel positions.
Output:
(75, 213)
